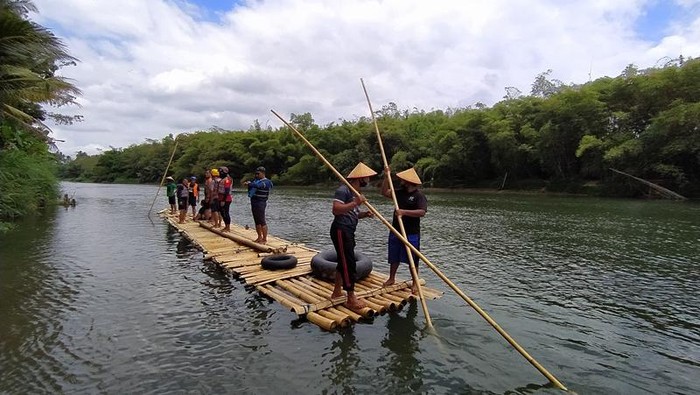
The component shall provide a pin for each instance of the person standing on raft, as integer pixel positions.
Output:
(193, 189)
(258, 192)
(225, 190)
(183, 195)
(412, 206)
(347, 213)
(170, 192)
(214, 204)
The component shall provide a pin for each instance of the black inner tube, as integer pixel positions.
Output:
(324, 264)
(274, 262)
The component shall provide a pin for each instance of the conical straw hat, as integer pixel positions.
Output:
(409, 175)
(361, 171)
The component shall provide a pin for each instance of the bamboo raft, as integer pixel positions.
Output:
(307, 296)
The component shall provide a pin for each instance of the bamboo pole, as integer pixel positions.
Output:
(322, 321)
(308, 295)
(242, 240)
(387, 174)
(165, 173)
(663, 191)
(434, 268)
(331, 312)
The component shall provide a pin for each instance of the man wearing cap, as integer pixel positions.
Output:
(347, 213)
(412, 206)
(193, 190)
(258, 192)
(170, 192)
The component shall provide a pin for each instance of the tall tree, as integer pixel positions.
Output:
(30, 55)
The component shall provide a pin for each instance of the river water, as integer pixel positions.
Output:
(603, 293)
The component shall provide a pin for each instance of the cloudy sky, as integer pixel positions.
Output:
(150, 68)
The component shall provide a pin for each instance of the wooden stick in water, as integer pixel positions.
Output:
(165, 173)
(411, 264)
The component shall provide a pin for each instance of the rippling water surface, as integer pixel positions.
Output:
(603, 293)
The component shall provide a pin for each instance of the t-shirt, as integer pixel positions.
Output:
(410, 201)
(349, 219)
(182, 191)
(225, 192)
(214, 188)
(170, 189)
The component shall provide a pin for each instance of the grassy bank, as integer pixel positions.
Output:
(27, 183)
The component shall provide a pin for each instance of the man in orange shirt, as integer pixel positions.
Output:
(194, 194)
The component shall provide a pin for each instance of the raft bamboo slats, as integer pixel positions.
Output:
(296, 289)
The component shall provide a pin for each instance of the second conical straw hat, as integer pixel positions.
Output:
(361, 171)
(409, 175)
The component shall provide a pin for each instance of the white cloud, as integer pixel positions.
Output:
(149, 68)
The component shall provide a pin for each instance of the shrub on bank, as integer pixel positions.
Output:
(27, 183)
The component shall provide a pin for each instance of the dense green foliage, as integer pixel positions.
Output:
(560, 137)
(29, 57)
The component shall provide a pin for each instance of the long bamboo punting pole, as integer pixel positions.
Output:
(241, 240)
(411, 264)
(165, 174)
(434, 268)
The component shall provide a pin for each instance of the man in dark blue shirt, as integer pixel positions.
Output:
(412, 207)
(258, 192)
(347, 213)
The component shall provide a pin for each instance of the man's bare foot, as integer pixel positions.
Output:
(263, 241)
(354, 303)
(389, 282)
(336, 295)
(226, 229)
(256, 240)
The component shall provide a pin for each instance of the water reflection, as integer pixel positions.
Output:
(404, 372)
(344, 363)
(36, 299)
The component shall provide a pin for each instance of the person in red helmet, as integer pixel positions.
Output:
(225, 197)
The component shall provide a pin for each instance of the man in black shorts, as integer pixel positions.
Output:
(347, 213)
(183, 195)
(258, 192)
(412, 207)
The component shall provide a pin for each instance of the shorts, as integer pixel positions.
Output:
(193, 201)
(215, 206)
(258, 208)
(397, 250)
(202, 210)
(171, 199)
(182, 203)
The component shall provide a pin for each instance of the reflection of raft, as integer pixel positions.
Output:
(295, 288)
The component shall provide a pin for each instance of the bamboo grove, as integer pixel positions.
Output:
(560, 138)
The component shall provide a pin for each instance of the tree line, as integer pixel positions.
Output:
(559, 137)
